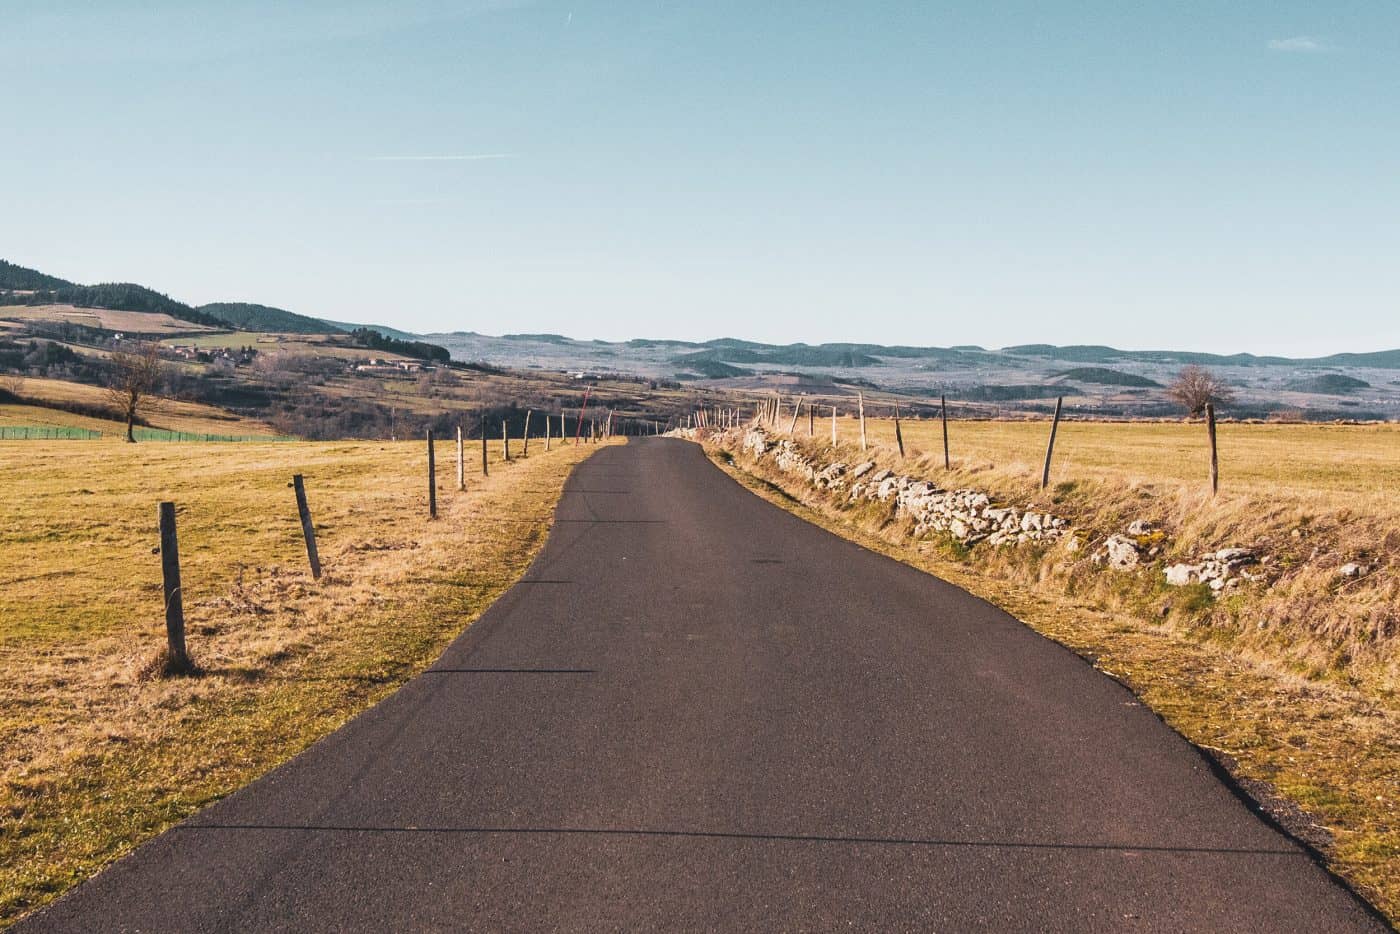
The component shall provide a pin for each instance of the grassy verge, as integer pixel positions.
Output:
(1319, 749)
(46, 396)
(99, 753)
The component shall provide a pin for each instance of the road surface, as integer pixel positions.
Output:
(699, 712)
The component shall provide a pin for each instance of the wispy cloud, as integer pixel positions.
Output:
(1299, 44)
(471, 157)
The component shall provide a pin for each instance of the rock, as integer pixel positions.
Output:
(1351, 570)
(1121, 553)
(862, 469)
(1140, 527)
(1179, 575)
(1234, 555)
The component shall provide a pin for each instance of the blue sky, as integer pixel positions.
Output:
(1197, 174)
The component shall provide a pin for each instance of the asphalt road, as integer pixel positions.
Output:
(699, 712)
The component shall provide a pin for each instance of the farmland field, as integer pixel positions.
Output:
(140, 322)
(99, 752)
(162, 413)
(1300, 459)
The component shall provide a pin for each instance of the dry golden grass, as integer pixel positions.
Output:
(1311, 497)
(1294, 683)
(99, 754)
(162, 413)
(134, 322)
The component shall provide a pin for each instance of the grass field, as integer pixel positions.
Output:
(96, 750)
(1294, 684)
(162, 413)
(132, 322)
(1298, 459)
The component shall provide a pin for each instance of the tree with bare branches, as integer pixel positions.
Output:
(1195, 386)
(136, 374)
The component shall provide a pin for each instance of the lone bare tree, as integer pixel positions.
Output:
(136, 374)
(1195, 386)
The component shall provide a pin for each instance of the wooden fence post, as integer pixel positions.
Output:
(796, 411)
(833, 426)
(485, 468)
(525, 450)
(898, 435)
(505, 436)
(461, 462)
(1214, 457)
(860, 405)
(943, 409)
(308, 530)
(1050, 448)
(177, 659)
(432, 478)
(546, 431)
(583, 407)
(811, 420)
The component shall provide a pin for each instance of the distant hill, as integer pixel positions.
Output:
(792, 355)
(250, 317)
(544, 338)
(1381, 359)
(1331, 384)
(122, 296)
(43, 289)
(13, 276)
(385, 330)
(712, 369)
(1091, 353)
(1104, 377)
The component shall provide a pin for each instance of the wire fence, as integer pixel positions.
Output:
(46, 433)
(165, 434)
(63, 433)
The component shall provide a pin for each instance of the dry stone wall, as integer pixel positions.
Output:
(973, 518)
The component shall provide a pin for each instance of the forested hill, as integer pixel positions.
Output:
(247, 316)
(23, 278)
(118, 296)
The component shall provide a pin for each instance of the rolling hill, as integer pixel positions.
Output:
(246, 316)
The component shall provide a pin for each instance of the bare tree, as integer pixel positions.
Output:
(137, 372)
(1195, 386)
(13, 383)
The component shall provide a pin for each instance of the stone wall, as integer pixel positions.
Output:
(973, 518)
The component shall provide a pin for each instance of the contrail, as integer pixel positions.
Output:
(476, 157)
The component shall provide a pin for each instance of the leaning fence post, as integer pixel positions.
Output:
(546, 431)
(308, 530)
(1050, 448)
(796, 411)
(943, 408)
(1214, 459)
(898, 435)
(177, 659)
(432, 479)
